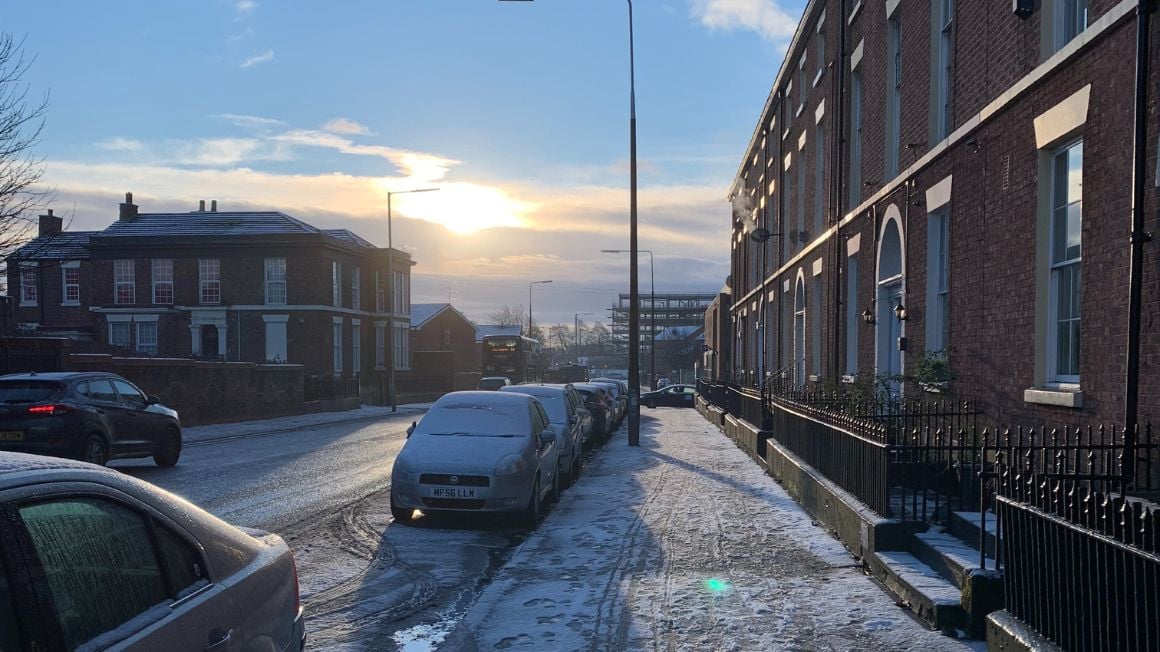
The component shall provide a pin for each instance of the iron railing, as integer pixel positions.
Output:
(1080, 555)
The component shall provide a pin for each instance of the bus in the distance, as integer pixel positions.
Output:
(518, 358)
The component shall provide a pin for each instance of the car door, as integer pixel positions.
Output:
(115, 575)
(146, 426)
(549, 452)
(118, 421)
(671, 397)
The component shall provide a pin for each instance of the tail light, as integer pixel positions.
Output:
(51, 409)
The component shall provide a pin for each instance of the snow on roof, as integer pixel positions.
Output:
(482, 330)
(421, 312)
(350, 237)
(66, 245)
(211, 223)
(478, 412)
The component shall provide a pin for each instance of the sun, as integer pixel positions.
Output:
(465, 208)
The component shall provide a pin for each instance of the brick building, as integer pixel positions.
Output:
(233, 286)
(440, 327)
(938, 180)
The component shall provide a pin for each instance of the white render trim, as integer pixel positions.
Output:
(820, 112)
(121, 319)
(856, 56)
(853, 244)
(1094, 32)
(356, 322)
(1062, 398)
(771, 296)
(854, 14)
(939, 194)
(1061, 121)
(337, 320)
(891, 7)
(275, 319)
(802, 140)
(753, 306)
(821, 21)
(785, 285)
(788, 159)
(817, 269)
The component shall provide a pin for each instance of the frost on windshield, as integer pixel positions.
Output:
(476, 419)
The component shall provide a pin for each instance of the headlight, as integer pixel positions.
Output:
(401, 465)
(511, 465)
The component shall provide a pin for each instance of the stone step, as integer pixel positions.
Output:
(950, 556)
(965, 526)
(934, 598)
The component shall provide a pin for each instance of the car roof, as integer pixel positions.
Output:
(495, 378)
(58, 375)
(481, 398)
(12, 463)
(534, 390)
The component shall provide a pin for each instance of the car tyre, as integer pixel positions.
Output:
(577, 465)
(652, 405)
(95, 451)
(531, 515)
(401, 514)
(556, 487)
(170, 450)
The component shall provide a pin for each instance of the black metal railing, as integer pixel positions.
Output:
(713, 391)
(318, 388)
(1080, 554)
(746, 404)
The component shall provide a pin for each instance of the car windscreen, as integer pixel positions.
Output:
(553, 405)
(27, 391)
(490, 384)
(475, 420)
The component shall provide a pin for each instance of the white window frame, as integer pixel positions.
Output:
(945, 63)
(143, 345)
(335, 283)
(336, 346)
(402, 346)
(1071, 19)
(893, 94)
(209, 281)
(853, 316)
(802, 85)
(29, 284)
(119, 325)
(380, 290)
(355, 346)
(1059, 267)
(124, 282)
(819, 179)
(400, 293)
(938, 279)
(355, 288)
(815, 333)
(162, 279)
(276, 286)
(380, 345)
(820, 36)
(73, 268)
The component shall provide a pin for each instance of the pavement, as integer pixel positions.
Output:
(683, 543)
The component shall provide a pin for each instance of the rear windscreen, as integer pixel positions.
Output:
(27, 391)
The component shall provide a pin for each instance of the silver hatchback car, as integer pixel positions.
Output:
(93, 559)
(478, 452)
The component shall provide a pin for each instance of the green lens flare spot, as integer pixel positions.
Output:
(716, 586)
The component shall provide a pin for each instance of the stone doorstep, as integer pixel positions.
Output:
(953, 559)
(934, 598)
(965, 526)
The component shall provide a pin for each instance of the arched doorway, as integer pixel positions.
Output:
(890, 289)
(799, 332)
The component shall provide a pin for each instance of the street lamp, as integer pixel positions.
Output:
(389, 339)
(530, 303)
(652, 354)
(576, 332)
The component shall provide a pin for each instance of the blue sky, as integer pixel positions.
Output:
(517, 111)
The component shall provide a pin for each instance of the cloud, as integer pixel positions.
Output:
(268, 55)
(244, 7)
(251, 122)
(762, 16)
(119, 144)
(418, 165)
(346, 126)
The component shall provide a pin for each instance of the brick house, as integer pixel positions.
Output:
(441, 327)
(915, 187)
(232, 286)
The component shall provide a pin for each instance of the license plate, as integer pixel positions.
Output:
(453, 492)
(11, 435)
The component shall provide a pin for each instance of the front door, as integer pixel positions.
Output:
(889, 332)
(209, 341)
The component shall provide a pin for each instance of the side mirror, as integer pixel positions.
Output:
(411, 429)
(152, 400)
(548, 436)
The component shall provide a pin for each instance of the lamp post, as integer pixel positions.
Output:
(389, 338)
(652, 354)
(530, 303)
(576, 333)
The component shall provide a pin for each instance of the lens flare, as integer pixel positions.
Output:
(716, 586)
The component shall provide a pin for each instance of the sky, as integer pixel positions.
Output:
(516, 111)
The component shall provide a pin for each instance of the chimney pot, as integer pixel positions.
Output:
(128, 209)
(213, 206)
(201, 206)
(128, 198)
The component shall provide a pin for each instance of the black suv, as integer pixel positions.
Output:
(93, 417)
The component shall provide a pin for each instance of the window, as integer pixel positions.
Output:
(380, 291)
(402, 349)
(275, 281)
(163, 281)
(276, 337)
(819, 180)
(816, 328)
(100, 390)
(124, 282)
(29, 284)
(1071, 18)
(852, 315)
(938, 264)
(181, 561)
(380, 345)
(855, 138)
(942, 59)
(893, 94)
(335, 283)
(402, 293)
(70, 280)
(787, 225)
(130, 395)
(355, 289)
(147, 337)
(9, 628)
(210, 280)
(355, 346)
(100, 567)
(802, 84)
(803, 235)
(336, 345)
(119, 334)
(1066, 255)
(820, 39)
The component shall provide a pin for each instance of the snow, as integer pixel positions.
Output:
(484, 413)
(296, 422)
(684, 543)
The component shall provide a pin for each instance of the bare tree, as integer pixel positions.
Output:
(508, 316)
(21, 123)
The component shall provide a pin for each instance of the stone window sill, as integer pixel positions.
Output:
(1050, 396)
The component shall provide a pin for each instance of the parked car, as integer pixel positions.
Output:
(478, 452)
(492, 383)
(562, 416)
(104, 560)
(586, 420)
(94, 417)
(619, 397)
(671, 396)
(599, 403)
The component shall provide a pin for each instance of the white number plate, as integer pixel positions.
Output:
(454, 492)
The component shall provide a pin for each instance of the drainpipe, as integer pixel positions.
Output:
(1137, 239)
(837, 146)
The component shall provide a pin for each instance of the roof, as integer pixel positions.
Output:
(349, 236)
(483, 330)
(208, 223)
(66, 245)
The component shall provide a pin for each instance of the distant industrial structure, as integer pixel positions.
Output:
(662, 315)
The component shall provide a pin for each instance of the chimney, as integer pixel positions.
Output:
(213, 206)
(128, 209)
(201, 206)
(50, 224)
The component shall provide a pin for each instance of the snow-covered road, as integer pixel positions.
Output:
(684, 544)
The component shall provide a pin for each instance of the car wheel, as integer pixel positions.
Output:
(556, 486)
(651, 405)
(532, 513)
(566, 477)
(577, 464)
(170, 449)
(401, 514)
(95, 451)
